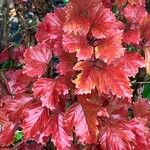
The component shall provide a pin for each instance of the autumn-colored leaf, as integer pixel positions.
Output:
(144, 27)
(77, 18)
(120, 2)
(55, 128)
(4, 55)
(51, 27)
(131, 37)
(49, 90)
(147, 57)
(34, 118)
(142, 103)
(83, 119)
(13, 106)
(79, 44)
(66, 63)
(110, 48)
(137, 2)
(105, 78)
(36, 60)
(17, 82)
(132, 134)
(103, 23)
(6, 137)
(130, 63)
(134, 13)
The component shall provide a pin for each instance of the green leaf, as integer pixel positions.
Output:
(18, 137)
(7, 64)
(146, 91)
(65, 1)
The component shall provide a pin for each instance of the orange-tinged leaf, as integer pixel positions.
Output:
(130, 63)
(75, 42)
(106, 79)
(103, 23)
(145, 26)
(78, 18)
(110, 48)
(137, 2)
(147, 58)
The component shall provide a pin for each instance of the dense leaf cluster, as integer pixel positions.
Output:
(74, 86)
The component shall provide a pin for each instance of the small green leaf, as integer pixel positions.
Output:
(18, 136)
(65, 1)
(146, 91)
(7, 65)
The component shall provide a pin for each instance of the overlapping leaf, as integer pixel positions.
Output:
(83, 119)
(36, 60)
(79, 44)
(110, 48)
(134, 13)
(105, 78)
(130, 63)
(51, 27)
(49, 90)
(55, 128)
(17, 82)
(132, 134)
(34, 118)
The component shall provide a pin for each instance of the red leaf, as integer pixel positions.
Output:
(36, 60)
(34, 118)
(134, 13)
(141, 132)
(77, 18)
(144, 27)
(4, 55)
(17, 82)
(130, 135)
(51, 27)
(110, 48)
(103, 23)
(105, 79)
(66, 63)
(79, 44)
(137, 2)
(31, 146)
(55, 127)
(130, 63)
(49, 90)
(18, 53)
(144, 112)
(131, 37)
(6, 137)
(13, 106)
(121, 2)
(83, 119)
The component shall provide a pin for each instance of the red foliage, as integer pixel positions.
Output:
(83, 99)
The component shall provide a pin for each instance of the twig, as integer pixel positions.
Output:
(142, 82)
